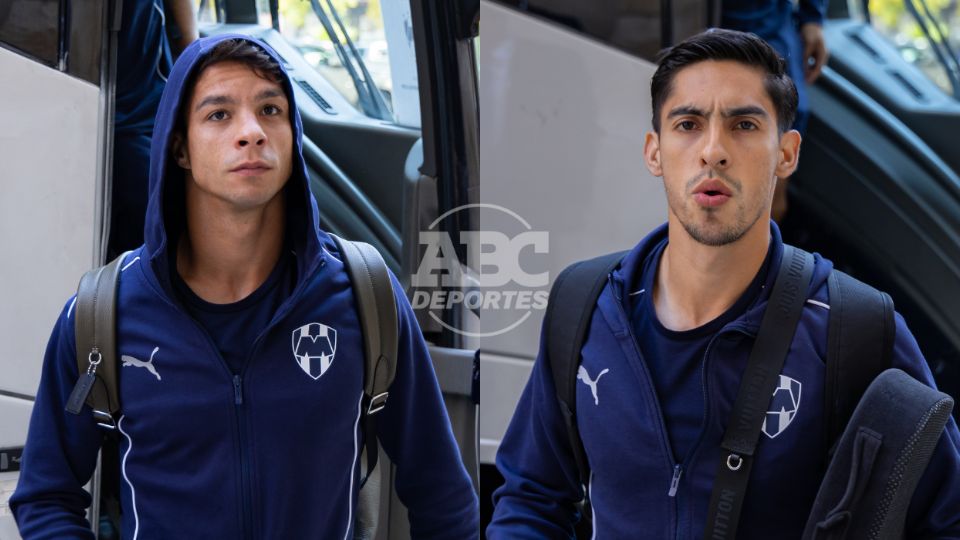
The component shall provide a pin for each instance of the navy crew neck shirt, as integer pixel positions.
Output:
(675, 359)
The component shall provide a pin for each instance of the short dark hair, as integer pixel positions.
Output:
(243, 51)
(229, 50)
(720, 44)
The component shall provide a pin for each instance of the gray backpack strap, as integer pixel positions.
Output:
(377, 310)
(379, 323)
(95, 315)
(881, 456)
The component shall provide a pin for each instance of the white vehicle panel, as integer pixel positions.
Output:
(564, 120)
(48, 208)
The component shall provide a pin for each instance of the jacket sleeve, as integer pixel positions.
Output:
(60, 454)
(541, 482)
(935, 509)
(415, 431)
(811, 11)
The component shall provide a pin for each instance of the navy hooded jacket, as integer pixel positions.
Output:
(269, 453)
(627, 447)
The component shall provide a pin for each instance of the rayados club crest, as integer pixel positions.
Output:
(783, 407)
(314, 345)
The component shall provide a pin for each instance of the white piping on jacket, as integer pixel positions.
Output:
(356, 434)
(593, 514)
(163, 25)
(123, 468)
(135, 259)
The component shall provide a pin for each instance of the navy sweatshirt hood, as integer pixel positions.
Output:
(165, 209)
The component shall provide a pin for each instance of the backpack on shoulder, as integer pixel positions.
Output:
(97, 360)
(860, 341)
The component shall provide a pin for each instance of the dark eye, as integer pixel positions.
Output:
(687, 125)
(272, 110)
(217, 115)
(746, 125)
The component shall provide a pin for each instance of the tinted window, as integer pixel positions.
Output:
(637, 27)
(926, 34)
(376, 41)
(86, 36)
(32, 27)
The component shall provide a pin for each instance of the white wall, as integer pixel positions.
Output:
(48, 179)
(564, 119)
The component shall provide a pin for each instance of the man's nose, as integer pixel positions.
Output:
(251, 132)
(714, 152)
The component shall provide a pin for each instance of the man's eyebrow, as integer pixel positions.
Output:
(686, 110)
(268, 94)
(749, 110)
(690, 110)
(214, 100)
(227, 100)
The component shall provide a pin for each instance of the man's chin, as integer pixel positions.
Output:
(714, 233)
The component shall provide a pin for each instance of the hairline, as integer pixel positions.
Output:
(767, 78)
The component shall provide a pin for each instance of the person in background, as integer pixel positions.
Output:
(796, 33)
(144, 59)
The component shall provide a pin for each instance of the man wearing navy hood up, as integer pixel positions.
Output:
(672, 331)
(223, 434)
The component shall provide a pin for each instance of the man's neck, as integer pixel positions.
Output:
(224, 255)
(696, 283)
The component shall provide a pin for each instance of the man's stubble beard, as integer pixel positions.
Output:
(713, 234)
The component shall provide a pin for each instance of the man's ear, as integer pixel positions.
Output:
(789, 154)
(651, 153)
(178, 147)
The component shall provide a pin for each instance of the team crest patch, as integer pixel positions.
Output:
(314, 345)
(783, 407)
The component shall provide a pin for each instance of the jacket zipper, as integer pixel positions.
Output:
(246, 482)
(676, 468)
(245, 487)
(245, 476)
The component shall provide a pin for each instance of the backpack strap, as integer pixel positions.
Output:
(570, 307)
(377, 311)
(96, 341)
(759, 381)
(859, 315)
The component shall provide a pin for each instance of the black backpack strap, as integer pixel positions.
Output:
(572, 300)
(377, 311)
(757, 385)
(860, 337)
(95, 315)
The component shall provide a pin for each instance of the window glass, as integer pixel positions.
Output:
(32, 27)
(369, 58)
(207, 11)
(633, 26)
(925, 32)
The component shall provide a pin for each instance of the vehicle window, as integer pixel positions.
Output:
(925, 32)
(364, 48)
(633, 26)
(207, 11)
(32, 27)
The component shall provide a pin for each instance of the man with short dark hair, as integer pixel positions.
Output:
(225, 430)
(673, 328)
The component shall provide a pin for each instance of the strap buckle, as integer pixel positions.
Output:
(104, 420)
(734, 462)
(377, 403)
